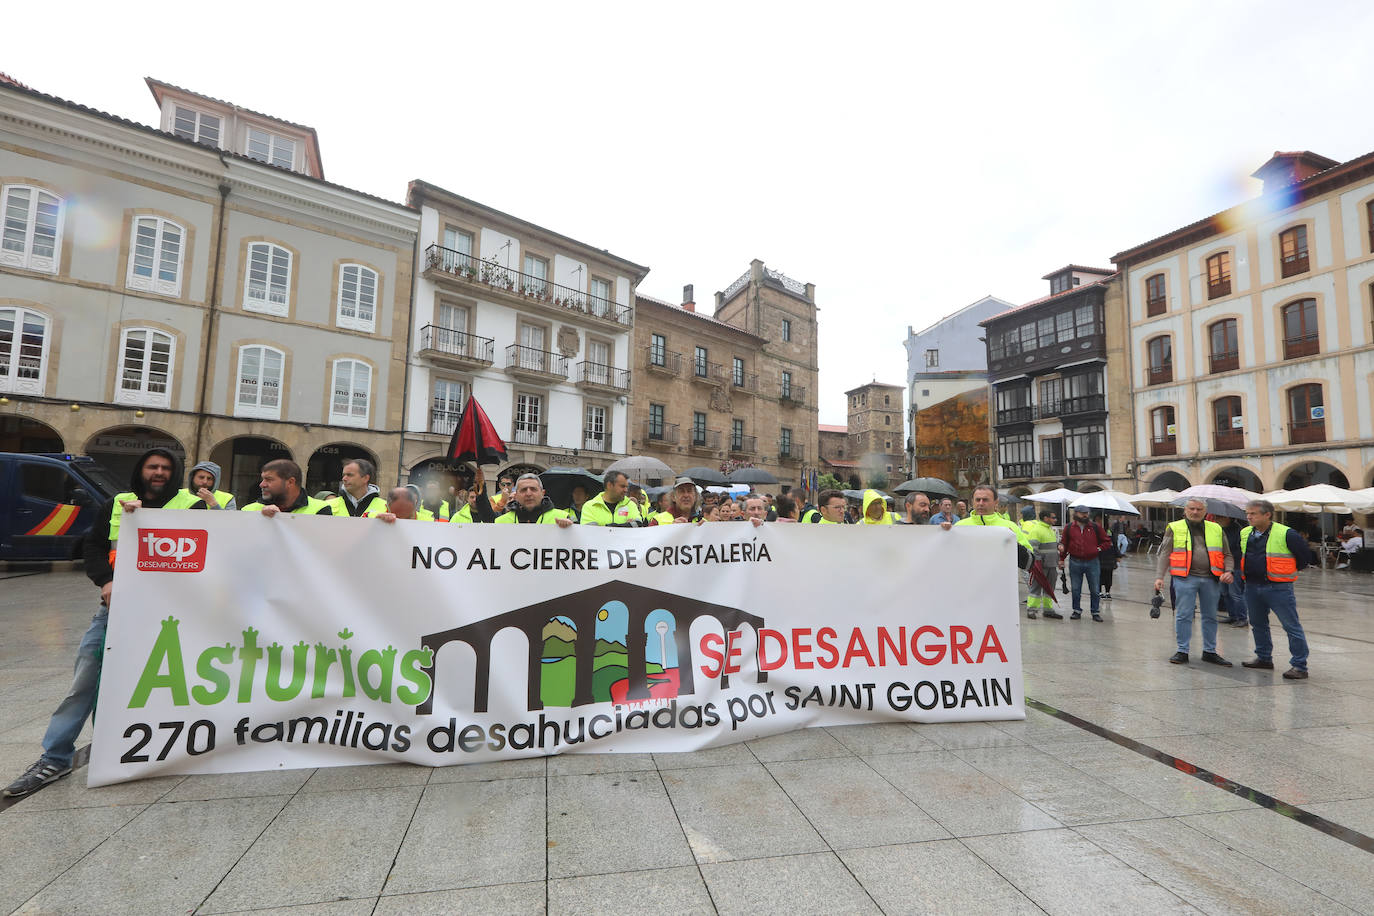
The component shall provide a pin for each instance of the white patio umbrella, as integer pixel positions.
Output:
(1153, 498)
(1104, 500)
(1057, 495)
(1313, 500)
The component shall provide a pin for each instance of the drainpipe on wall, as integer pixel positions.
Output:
(405, 382)
(1130, 371)
(216, 281)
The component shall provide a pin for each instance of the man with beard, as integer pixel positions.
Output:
(529, 505)
(281, 492)
(200, 492)
(151, 485)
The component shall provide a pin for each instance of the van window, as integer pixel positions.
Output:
(45, 482)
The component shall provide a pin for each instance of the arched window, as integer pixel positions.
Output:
(23, 350)
(1293, 251)
(357, 297)
(267, 285)
(1219, 275)
(1300, 329)
(1160, 361)
(1306, 414)
(32, 228)
(260, 382)
(1163, 432)
(1228, 426)
(155, 255)
(145, 367)
(352, 384)
(1156, 299)
(1224, 347)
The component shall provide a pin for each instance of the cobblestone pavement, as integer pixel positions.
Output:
(1052, 815)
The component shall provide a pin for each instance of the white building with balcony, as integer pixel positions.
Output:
(536, 325)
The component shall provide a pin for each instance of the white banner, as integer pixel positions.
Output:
(238, 642)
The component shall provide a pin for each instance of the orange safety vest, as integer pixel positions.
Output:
(1279, 563)
(1181, 557)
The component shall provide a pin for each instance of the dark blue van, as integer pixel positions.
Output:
(47, 504)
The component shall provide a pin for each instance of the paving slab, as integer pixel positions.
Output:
(799, 885)
(738, 812)
(677, 890)
(962, 799)
(605, 823)
(853, 806)
(506, 899)
(942, 876)
(37, 846)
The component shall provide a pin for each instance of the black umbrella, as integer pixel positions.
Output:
(559, 483)
(704, 476)
(751, 475)
(931, 486)
(474, 437)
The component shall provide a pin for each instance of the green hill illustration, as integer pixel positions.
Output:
(557, 681)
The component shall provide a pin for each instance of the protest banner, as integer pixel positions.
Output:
(239, 643)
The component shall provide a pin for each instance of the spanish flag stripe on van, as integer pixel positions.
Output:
(58, 521)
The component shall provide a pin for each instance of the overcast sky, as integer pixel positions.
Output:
(908, 159)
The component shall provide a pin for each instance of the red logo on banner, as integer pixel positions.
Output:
(172, 549)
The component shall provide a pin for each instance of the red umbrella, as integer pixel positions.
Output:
(1037, 574)
(474, 438)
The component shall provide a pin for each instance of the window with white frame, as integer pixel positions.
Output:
(598, 362)
(260, 382)
(145, 367)
(267, 287)
(529, 419)
(594, 428)
(155, 255)
(357, 297)
(537, 272)
(23, 350)
(601, 296)
(265, 146)
(196, 125)
(32, 232)
(351, 389)
(447, 405)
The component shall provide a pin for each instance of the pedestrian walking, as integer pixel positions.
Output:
(1199, 566)
(1082, 542)
(1107, 561)
(1044, 545)
(152, 485)
(1272, 556)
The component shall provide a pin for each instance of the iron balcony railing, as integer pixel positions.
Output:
(705, 438)
(603, 375)
(794, 393)
(1047, 410)
(1081, 466)
(745, 380)
(791, 451)
(1301, 432)
(518, 283)
(524, 433)
(1305, 345)
(1018, 469)
(708, 372)
(596, 440)
(443, 421)
(665, 361)
(1164, 445)
(531, 360)
(1015, 415)
(666, 433)
(457, 343)
(1049, 468)
(1229, 440)
(1087, 403)
(1158, 375)
(743, 445)
(1225, 361)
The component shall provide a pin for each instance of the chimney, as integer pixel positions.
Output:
(689, 303)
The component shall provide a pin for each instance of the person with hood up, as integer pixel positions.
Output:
(152, 485)
(200, 492)
(613, 507)
(875, 509)
(529, 505)
(358, 494)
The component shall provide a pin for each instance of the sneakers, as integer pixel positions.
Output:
(1051, 614)
(1264, 663)
(1097, 618)
(1240, 623)
(1076, 615)
(1030, 613)
(1216, 659)
(1296, 674)
(44, 772)
(1178, 658)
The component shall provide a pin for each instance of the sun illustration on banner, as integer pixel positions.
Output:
(610, 672)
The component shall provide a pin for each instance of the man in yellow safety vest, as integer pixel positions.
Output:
(1270, 559)
(1200, 564)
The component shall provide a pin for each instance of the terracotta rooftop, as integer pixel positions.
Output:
(640, 297)
(831, 428)
(1063, 293)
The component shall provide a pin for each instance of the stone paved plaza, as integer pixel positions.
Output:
(1012, 817)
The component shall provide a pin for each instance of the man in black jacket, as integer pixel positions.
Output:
(152, 484)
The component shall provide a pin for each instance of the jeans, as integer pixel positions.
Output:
(59, 744)
(1260, 599)
(1235, 599)
(1093, 570)
(1196, 593)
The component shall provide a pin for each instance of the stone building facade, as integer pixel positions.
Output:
(191, 287)
(735, 387)
(875, 433)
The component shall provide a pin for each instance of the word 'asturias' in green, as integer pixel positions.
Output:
(372, 671)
